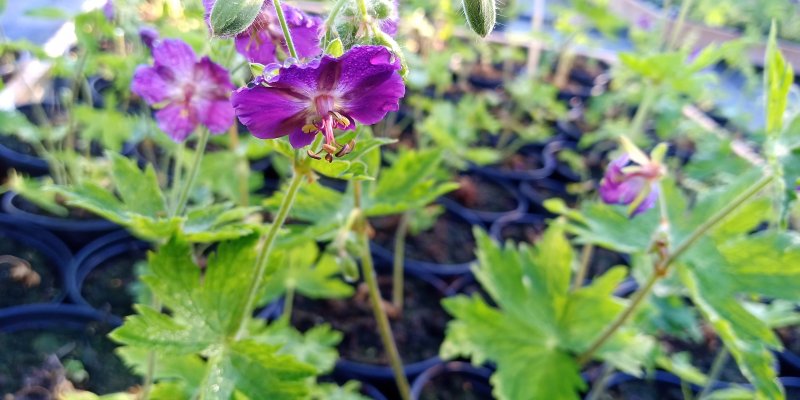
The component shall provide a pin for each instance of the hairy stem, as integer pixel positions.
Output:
(399, 253)
(287, 36)
(267, 244)
(662, 267)
(716, 370)
(183, 197)
(583, 270)
(376, 301)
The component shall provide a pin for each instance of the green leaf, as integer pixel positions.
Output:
(36, 191)
(766, 264)
(539, 324)
(261, 373)
(138, 189)
(232, 17)
(329, 391)
(778, 79)
(158, 332)
(335, 48)
(410, 183)
(748, 338)
(298, 267)
(315, 347)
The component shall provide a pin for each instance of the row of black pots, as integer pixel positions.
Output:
(117, 244)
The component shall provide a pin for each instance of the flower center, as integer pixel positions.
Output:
(329, 121)
(324, 104)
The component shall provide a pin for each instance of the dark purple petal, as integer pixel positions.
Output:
(214, 78)
(270, 112)
(148, 36)
(176, 55)
(305, 30)
(648, 201)
(369, 84)
(259, 49)
(151, 85)
(217, 115)
(300, 139)
(177, 121)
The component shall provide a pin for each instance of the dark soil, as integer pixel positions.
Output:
(454, 386)
(449, 241)
(109, 287)
(25, 352)
(522, 162)
(418, 333)
(790, 336)
(481, 194)
(522, 232)
(643, 390)
(26, 275)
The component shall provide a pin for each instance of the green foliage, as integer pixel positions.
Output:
(141, 207)
(205, 311)
(299, 267)
(539, 323)
(411, 182)
(447, 128)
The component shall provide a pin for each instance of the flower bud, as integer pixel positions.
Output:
(232, 17)
(382, 9)
(481, 15)
(349, 268)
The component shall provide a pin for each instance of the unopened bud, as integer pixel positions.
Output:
(349, 268)
(481, 15)
(232, 17)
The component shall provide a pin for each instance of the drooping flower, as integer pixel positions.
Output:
(632, 179)
(326, 94)
(188, 92)
(109, 10)
(148, 36)
(389, 17)
(258, 43)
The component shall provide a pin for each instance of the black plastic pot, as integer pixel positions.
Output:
(74, 232)
(522, 220)
(382, 374)
(539, 191)
(372, 392)
(791, 363)
(26, 164)
(663, 383)
(548, 155)
(44, 242)
(477, 378)
(478, 216)
(76, 332)
(96, 255)
(45, 316)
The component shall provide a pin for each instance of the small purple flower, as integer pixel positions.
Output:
(389, 24)
(258, 43)
(187, 92)
(108, 10)
(326, 94)
(630, 184)
(148, 36)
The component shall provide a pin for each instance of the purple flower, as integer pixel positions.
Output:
(326, 94)
(187, 92)
(630, 184)
(148, 36)
(108, 10)
(389, 24)
(258, 43)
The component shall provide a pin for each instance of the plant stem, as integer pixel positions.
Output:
(535, 48)
(288, 303)
(267, 244)
(362, 9)
(601, 383)
(147, 386)
(375, 299)
(662, 267)
(333, 14)
(287, 36)
(642, 112)
(399, 253)
(583, 270)
(177, 171)
(686, 5)
(242, 166)
(716, 370)
(183, 197)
